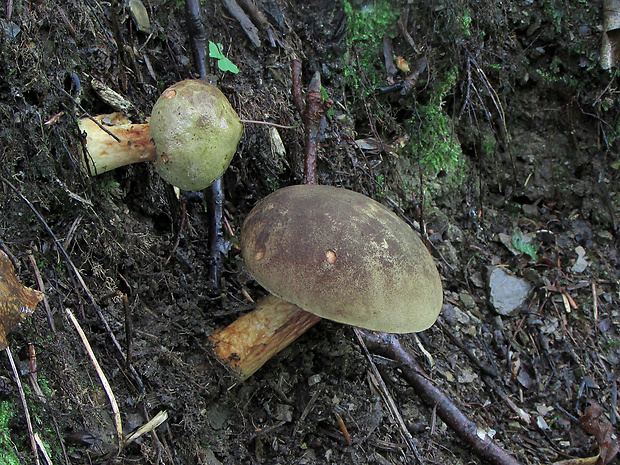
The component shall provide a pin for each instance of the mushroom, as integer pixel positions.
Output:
(121, 143)
(192, 136)
(327, 252)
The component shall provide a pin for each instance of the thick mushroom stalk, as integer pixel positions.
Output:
(121, 143)
(339, 255)
(250, 341)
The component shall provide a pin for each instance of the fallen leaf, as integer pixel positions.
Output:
(16, 301)
(595, 423)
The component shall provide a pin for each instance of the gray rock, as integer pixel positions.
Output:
(508, 292)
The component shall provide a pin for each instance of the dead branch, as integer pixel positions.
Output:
(246, 23)
(22, 396)
(388, 345)
(197, 36)
(311, 116)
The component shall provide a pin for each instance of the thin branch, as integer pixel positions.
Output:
(198, 36)
(22, 396)
(215, 192)
(46, 304)
(102, 377)
(388, 345)
(389, 400)
(311, 115)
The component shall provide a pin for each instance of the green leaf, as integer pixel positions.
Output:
(226, 65)
(215, 51)
(519, 243)
(223, 63)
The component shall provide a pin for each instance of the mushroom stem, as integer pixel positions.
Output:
(122, 143)
(250, 341)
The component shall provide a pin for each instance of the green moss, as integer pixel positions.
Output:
(436, 144)
(7, 448)
(366, 26)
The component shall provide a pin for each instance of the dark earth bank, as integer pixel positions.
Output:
(491, 128)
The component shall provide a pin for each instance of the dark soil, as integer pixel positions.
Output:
(535, 120)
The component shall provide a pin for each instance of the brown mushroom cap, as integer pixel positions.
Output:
(196, 132)
(341, 255)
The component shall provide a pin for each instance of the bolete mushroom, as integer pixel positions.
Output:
(327, 252)
(192, 136)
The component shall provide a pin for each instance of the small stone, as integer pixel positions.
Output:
(581, 263)
(508, 292)
(467, 300)
(466, 376)
(284, 412)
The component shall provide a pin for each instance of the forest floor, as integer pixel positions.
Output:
(502, 151)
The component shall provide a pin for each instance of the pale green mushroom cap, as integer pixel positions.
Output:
(195, 131)
(341, 255)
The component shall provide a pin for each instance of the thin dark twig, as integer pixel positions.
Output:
(215, 192)
(483, 367)
(390, 402)
(198, 36)
(177, 238)
(215, 202)
(128, 331)
(388, 345)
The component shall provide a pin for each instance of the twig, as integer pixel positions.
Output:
(388, 345)
(33, 442)
(388, 56)
(297, 99)
(215, 205)
(259, 18)
(177, 236)
(104, 381)
(483, 367)
(128, 330)
(247, 25)
(147, 427)
(198, 36)
(46, 304)
(388, 399)
(267, 123)
(215, 192)
(44, 453)
(311, 115)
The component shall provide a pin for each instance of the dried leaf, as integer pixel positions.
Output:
(16, 301)
(402, 64)
(595, 423)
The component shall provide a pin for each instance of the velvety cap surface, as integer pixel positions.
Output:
(196, 132)
(343, 256)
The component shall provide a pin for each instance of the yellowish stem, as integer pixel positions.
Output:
(248, 342)
(132, 144)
